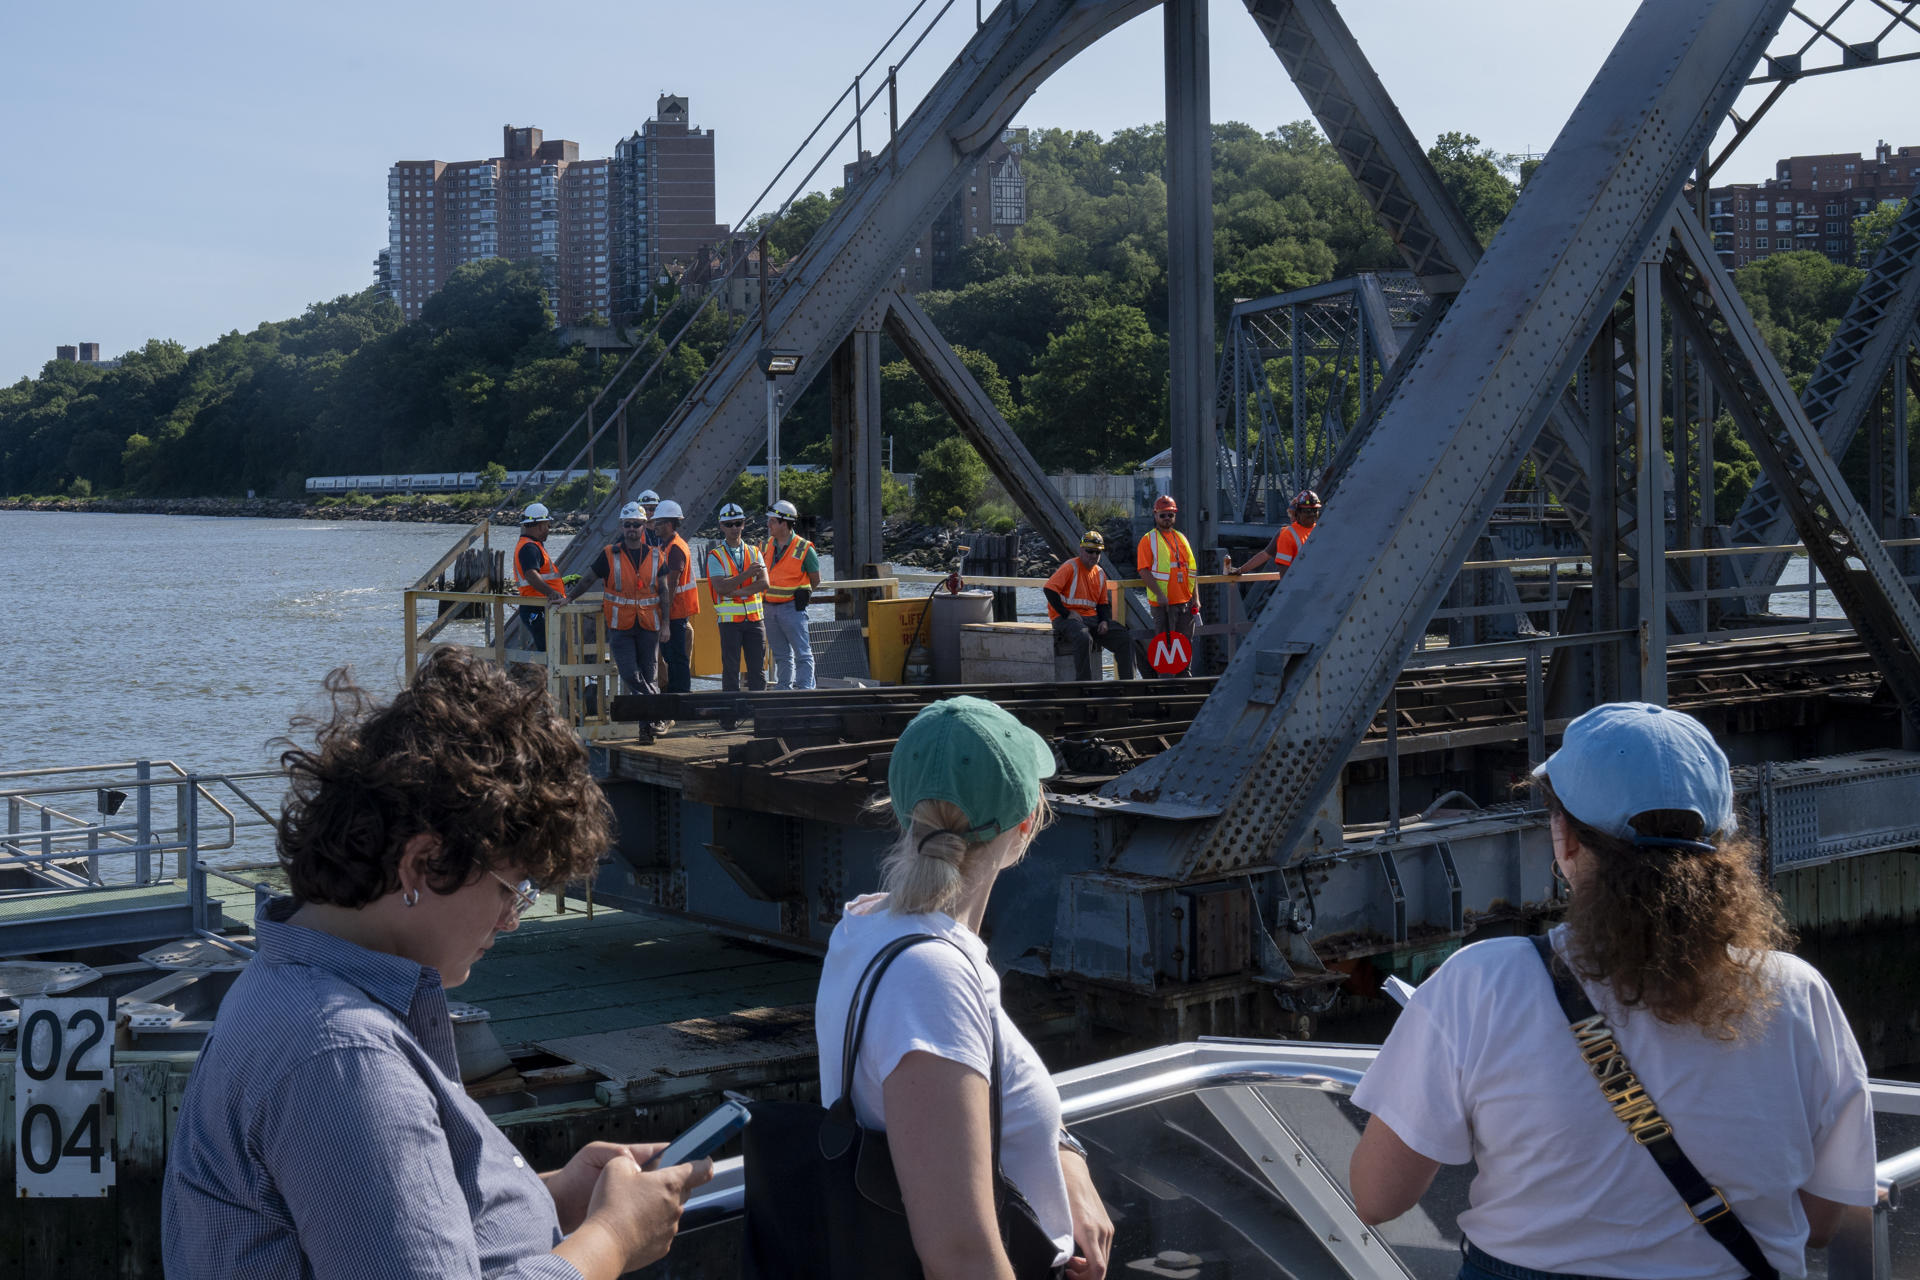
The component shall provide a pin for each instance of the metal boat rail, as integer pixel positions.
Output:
(1242, 1146)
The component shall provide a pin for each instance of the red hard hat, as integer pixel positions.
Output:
(1165, 502)
(1304, 498)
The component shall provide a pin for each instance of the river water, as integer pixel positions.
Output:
(196, 638)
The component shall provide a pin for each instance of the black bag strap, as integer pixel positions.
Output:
(856, 1030)
(1627, 1097)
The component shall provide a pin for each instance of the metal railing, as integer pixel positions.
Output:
(1222, 1069)
(56, 854)
(581, 676)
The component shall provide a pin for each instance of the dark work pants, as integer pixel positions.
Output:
(676, 646)
(1080, 639)
(536, 620)
(632, 652)
(1166, 618)
(737, 638)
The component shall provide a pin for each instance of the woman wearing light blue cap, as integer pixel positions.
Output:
(964, 782)
(1662, 1031)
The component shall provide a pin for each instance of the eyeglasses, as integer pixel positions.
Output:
(732, 524)
(1163, 515)
(525, 894)
(633, 524)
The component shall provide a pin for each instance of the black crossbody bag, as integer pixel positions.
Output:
(1628, 1099)
(822, 1199)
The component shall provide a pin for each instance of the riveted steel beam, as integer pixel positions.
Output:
(1400, 184)
(1872, 336)
(971, 409)
(1266, 749)
(1839, 537)
(710, 437)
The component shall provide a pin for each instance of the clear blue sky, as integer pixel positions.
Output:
(184, 169)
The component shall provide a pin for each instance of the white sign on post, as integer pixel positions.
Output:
(63, 1098)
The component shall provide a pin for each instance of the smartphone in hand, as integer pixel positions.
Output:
(707, 1135)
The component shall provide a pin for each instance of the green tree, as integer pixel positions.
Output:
(951, 479)
(916, 420)
(1871, 229)
(1797, 300)
(1472, 174)
(1098, 396)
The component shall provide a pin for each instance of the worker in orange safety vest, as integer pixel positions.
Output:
(681, 593)
(630, 605)
(1165, 561)
(1081, 608)
(1304, 513)
(538, 576)
(737, 575)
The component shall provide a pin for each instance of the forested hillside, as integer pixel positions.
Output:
(1064, 328)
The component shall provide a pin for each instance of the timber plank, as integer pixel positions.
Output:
(140, 1131)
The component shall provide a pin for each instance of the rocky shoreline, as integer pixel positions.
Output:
(908, 542)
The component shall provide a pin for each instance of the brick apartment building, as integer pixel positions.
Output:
(598, 228)
(1809, 203)
(992, 200)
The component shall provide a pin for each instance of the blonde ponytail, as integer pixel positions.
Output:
(926, 869)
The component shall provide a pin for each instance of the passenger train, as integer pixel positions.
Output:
(446, 481)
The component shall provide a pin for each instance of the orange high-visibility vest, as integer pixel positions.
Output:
(686, 592)
(1082, 589)
(548, 572)
(743, 607)
(1169, 561)
(786, 571)
(1288, 543)
(630, 599)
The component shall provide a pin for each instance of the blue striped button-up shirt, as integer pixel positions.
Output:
(325, 1132)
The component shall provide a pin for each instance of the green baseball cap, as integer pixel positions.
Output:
(973, 754)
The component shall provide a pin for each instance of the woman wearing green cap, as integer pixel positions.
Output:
(965, 788)
(1655, 1091)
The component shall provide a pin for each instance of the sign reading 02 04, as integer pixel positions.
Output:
(63, 1098)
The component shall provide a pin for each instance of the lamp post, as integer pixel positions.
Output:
(774, 364)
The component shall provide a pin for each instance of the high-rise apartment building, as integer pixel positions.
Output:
(1809, 203)
(599, 229)
(663, 177)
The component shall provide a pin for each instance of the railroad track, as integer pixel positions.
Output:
(1120, 723)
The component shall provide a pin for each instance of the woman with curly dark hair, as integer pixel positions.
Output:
(325, 1131)
(1661, 1015)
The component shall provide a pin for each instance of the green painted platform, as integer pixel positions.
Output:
(564, 974)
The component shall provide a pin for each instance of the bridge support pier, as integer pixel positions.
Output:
(1196, 449)
(854, 381)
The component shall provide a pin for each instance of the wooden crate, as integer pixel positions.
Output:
(1006, 652)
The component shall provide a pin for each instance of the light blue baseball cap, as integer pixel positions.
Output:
(973, 754)
(1623, 759)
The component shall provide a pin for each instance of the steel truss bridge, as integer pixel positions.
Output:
(1238, 848)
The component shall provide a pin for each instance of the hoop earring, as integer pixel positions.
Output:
(410, 898)
(1562, 887)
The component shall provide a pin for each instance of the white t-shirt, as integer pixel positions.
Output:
(936, 1000)
(1481, 1067)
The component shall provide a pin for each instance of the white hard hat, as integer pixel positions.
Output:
(535, 512)
(785, 510)
(648, 497)
(633, 511)
(732, 511)
(669, 510)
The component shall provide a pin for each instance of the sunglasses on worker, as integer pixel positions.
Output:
(633, 524)
(732, 524)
